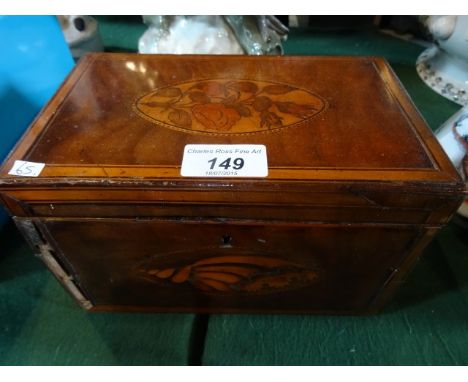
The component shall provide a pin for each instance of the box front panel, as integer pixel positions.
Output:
(230, 266)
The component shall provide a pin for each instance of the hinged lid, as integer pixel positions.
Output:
(335, 126)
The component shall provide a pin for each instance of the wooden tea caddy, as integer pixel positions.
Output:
(357, 185)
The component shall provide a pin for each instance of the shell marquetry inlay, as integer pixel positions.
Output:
(235, 274)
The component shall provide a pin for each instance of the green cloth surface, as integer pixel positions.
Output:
(426, 324)
(120, 33)
(40, 324)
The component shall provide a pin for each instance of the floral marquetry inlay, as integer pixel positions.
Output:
(229, 106)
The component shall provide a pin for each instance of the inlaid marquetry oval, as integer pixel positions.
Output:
(229, 106)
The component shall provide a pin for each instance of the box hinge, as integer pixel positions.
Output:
(45, 252)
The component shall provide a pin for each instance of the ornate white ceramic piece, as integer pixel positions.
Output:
(453, 136)
(445, 67)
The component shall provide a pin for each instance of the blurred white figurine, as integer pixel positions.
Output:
(81, 34)
(212, 35)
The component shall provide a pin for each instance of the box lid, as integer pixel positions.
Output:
(330, 124)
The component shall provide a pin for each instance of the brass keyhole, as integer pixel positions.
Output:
(226, 241)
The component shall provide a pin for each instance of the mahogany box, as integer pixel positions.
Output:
(330, 217)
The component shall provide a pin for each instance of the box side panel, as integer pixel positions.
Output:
(33, 232)
(400, 273)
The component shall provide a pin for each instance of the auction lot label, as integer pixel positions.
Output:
(240, 161)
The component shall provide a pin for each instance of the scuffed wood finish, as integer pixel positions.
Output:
(357, 184)
(44, 251)
(236, 265)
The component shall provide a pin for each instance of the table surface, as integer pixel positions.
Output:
(426, 324)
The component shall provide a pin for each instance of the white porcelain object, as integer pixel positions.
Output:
(444, 67)
(81, 34)
(188, 35)
(453, 136)
(230, 34)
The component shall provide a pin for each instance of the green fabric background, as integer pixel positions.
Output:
(426, 324)
(40, 324)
